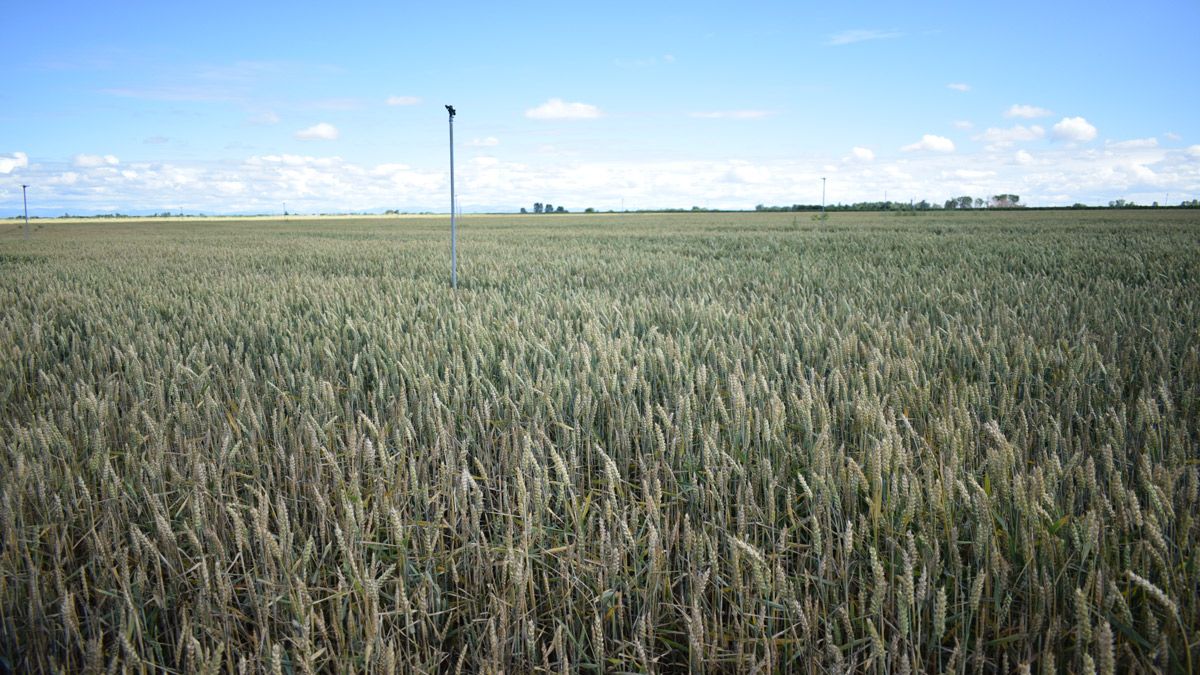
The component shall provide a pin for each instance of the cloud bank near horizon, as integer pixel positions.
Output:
(1053, 175)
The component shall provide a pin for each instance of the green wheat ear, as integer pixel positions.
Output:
(693, 441)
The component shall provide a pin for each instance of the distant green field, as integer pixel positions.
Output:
(952, 442)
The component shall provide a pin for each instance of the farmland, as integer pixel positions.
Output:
(956, 442)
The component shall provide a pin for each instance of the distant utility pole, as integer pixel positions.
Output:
(453, 208)
(822, 195)
(25, 201)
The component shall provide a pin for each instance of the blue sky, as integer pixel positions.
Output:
(242, 107)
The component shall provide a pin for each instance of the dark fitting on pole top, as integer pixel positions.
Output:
(450, 109)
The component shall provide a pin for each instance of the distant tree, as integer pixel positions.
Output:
(964, 202)
(923, 205)
(979, 202)
(589, 210)
(1005, 201)
(523, 210)
(560, 210)
(1117, 204)
(548, 208)
(537, 207)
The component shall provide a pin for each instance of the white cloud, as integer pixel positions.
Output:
(332, 182)
(972, 174)
(848, 37)
(489, 142)
(93, 161)
(294, 161)
(733, 114)
(9, 163)
(959, 86)
(1028, 112)
(1052, 175)
(1140, 173)
(403, 100)
(931, 143)
(744, 172)
(861, 154)
(963, 124)
(1135, 144)
(1172, 136)
(229, 187)
(389, 169)
(558, 109)
(323, 131)
(1001, 138)
(1074, 129)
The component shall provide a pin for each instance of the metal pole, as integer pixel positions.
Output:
(25, 201)
(453, 208)
(822, 195)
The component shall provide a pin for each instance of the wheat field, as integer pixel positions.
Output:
(955, 442)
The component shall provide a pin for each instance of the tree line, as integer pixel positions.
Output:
(539, 207)
(1001, 201)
